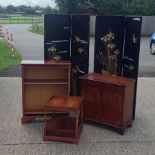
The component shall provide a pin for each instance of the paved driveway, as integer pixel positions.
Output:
(30, 45)
(146, 59)
(18, 139)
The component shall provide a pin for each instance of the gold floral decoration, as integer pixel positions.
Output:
(131, 68)
(110, 56)
(54, 54)
(134, 39)
(76, 39)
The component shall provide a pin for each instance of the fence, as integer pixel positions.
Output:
(148, 25)
(20, 19)
(148, 22)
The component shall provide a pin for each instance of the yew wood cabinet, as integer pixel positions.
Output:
(40, 81)
(108, 100)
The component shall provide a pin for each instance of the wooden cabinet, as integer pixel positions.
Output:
(40, 81)
(108, 99)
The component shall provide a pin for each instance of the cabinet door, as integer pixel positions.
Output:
(111, 104)
(91, 101)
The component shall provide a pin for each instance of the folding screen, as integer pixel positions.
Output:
(131, 50)
(57, 37)
(109, 40)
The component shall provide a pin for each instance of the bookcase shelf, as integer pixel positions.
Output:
(45, 81)
(40, 81)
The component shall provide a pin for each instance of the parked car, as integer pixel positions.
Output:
(152, 44)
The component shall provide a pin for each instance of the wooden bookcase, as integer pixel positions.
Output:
(108, 100)
(40, 81)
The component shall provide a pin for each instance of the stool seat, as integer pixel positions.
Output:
(64, 103)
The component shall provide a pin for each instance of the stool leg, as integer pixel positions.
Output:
(82, 113)
(77, 123)
(44, 128)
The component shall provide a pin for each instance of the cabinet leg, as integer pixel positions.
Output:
(130, 124)
(121, 131)
(45, 138)
(75, 142)
(25, 120)
(85, 119)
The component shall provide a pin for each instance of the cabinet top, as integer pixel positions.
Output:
(108, 79)
(64, 103)
(42, 62)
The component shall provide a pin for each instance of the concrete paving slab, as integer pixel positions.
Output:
(16, 138)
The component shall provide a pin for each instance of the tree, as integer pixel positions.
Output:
(11, 9)
(140, 7)
(109, 7)
(103, 6)
(29, 10)
(2, 9)
(21, 8)
(54, 11)
(69, 6)
(48, 9)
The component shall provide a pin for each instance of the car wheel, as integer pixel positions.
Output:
(152, 47)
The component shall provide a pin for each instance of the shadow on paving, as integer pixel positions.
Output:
(12, 72)
(147, 74)
(16, 72)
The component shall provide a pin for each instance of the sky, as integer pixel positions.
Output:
(42, 3)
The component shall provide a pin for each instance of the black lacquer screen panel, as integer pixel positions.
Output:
(131, 50)
(80, 39)
(77, 71)
(57, 37)
(109, 40)
(79, 49)
(132, 46)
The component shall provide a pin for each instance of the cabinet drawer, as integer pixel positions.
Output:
(113, 88)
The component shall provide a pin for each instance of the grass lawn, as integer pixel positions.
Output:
(16, 21)
(40, 30)
(10, 19)
(6, 58)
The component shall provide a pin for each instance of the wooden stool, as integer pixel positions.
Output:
(64, 127)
